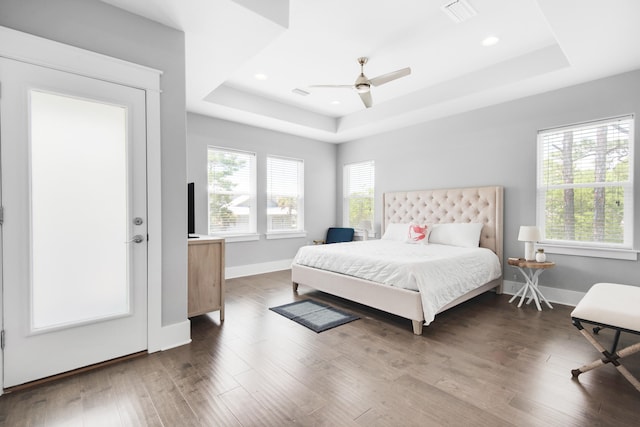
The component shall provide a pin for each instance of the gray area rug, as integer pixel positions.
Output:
(314, 315)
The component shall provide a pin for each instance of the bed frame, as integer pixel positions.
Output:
(478, 204)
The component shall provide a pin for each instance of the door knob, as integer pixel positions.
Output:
(136, 239)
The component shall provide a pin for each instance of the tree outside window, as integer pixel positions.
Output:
(585, 183)
(358, 203)
(231, 184)
(285, 194)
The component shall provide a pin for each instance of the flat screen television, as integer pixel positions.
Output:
(191, 216)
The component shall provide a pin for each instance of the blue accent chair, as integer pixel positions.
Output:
(339, 234)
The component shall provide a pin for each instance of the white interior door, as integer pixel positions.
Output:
(74, 250)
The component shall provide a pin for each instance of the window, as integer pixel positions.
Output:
(285, 195)
(232, 192)
(585, 185)
(358, 195)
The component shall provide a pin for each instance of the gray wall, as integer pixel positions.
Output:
(497, 146)
(319, 184)
(96, 26)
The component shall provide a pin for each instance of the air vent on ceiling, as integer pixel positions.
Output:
(459, 10)
(300, 92)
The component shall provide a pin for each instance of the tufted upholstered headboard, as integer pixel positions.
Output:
(478, 204)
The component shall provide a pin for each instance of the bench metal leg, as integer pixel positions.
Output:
(608, 357)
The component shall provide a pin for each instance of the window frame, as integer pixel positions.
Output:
(625, 250)
(346, 196)
(235, 236)
(300, 230)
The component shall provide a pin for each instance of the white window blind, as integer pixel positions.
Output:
(585, 184)
(285, 194)
(359, 179)
(232, 191)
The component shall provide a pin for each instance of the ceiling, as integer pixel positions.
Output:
(544, 45)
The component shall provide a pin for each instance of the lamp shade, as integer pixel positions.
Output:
(529, 233)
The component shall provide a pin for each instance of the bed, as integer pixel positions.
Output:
(448, 206)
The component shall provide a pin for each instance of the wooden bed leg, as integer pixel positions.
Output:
(295, 286)
(417, 327)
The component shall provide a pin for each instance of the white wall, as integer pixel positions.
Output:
(490, 146)
(96, 26)
(494, 145)
(319, 184)
(497, 146)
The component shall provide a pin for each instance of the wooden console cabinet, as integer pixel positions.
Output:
(206, 276)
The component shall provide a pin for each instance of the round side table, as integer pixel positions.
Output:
(531, 270)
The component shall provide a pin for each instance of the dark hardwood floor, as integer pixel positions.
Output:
(484, 363)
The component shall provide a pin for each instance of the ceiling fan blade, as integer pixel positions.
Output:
(366, 99)
(386, 78)
(334, 86)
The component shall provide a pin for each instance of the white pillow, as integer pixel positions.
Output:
(396, 232)
(466, 235)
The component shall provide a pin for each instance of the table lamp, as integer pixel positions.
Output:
(529, 234)
(365, 226)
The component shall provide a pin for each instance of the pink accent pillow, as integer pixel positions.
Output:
(418, 234)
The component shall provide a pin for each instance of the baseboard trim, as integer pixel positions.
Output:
(553, 294)
(251, 269)
(175, 335)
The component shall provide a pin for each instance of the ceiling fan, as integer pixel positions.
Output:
(363, 84)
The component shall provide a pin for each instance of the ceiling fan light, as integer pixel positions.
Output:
(362, 87)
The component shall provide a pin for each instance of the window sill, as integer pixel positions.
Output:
(360, 233)
(238, 237)
(286, 235)
(612, 253)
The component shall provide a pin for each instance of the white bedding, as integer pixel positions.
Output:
(441, 273)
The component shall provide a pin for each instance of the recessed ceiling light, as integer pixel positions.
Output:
(260, 76)
(335, 102)
(490, 41)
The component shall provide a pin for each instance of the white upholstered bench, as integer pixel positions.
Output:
(613, 306)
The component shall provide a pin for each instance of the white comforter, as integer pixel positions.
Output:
(441, 273)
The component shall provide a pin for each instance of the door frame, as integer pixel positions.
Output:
(20, 46)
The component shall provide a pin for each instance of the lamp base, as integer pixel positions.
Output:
(529, 252)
